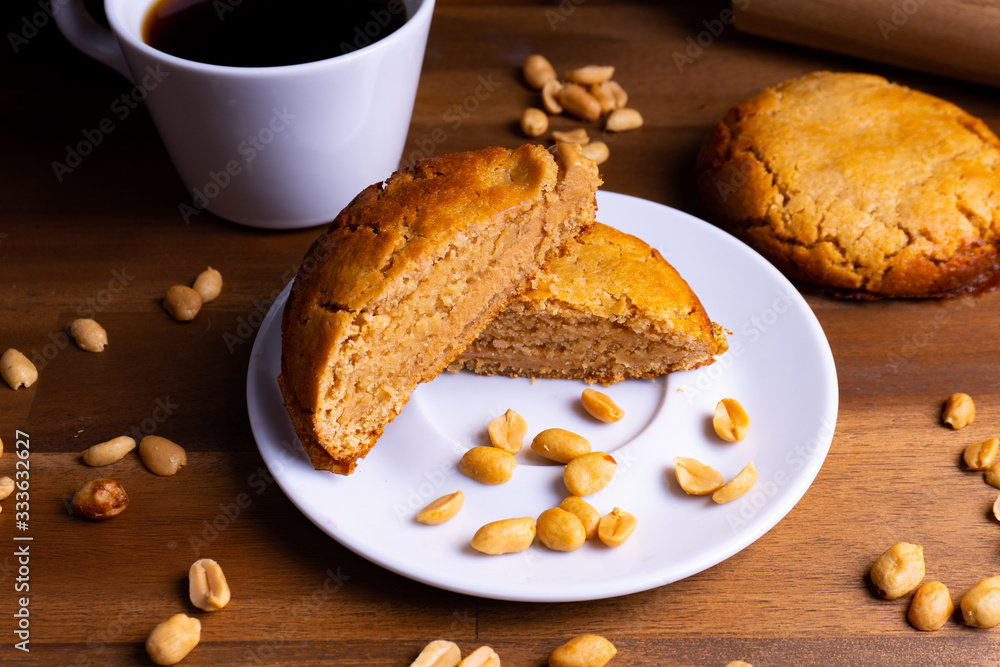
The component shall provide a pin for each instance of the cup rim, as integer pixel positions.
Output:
(403, 32)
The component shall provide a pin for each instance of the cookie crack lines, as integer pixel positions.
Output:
(848, 182)
(419, 294)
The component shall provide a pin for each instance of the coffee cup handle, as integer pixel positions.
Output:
(83, 32)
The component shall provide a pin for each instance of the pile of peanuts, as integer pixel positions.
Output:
(588, 93)
(104, 498)
(574, 521)
(562, 528)
(582, 651)
(730, 423)
(900, 569)
(184, 302)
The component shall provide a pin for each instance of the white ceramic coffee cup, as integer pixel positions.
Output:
(274, 147)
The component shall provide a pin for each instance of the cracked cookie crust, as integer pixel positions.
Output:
(408, 275)
(860, 187)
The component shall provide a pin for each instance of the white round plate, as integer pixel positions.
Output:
(779, 366)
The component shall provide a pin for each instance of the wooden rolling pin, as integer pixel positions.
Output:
(955, 38)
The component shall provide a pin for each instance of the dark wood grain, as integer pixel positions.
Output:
(108, 239)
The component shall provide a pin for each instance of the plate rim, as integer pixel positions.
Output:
(801, 483)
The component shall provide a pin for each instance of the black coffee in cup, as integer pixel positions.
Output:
(268, 33)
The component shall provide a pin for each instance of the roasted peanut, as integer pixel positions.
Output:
(585, 512)
(6, 487)
(591, 74)
(483, 656)
(575, 99)
(534, 122)
(88, 334)
(583, 651)
(538, 71)
(489, 465)
(959, 411)
(602, 93)
(106, 453)
(600, 406)
(589, 473)
(737, 486)
(173, 639)
(17, 370)
(442, 509)
(623, 120)
(207, 586)
(439, 653)
(980, 455)
(505, 536)
(992, 475)
(100, 499)
(616, 527)
(560, 445)
(695, 477)
(731, 421)
(163, 457)
(738, 663)
(182, 302)
(507, 431)
(208, 285)
(550, 96)
(898, 570)
(1, 446)
(930, 607)
(616, 90)
(560, 530)
(597, 151)
(578, 136)
(981, 604)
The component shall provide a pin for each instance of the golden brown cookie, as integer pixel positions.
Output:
(610, 308)
(408, 274)
(860, 186)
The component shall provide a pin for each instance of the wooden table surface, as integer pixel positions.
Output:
(107, 239)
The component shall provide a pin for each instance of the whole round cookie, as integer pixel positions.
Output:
(863, 187)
